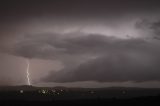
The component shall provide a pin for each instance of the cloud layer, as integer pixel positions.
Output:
(92, 57)
(126, 60)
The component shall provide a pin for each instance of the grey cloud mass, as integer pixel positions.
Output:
(156, 28)
(151, 26)
(51, 46)
(98, 57)
(94, 57)
(91, 40)
(129, 60)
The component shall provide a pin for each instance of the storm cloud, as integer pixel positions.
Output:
(116, 67)
(52, 46)
(92, 57)
(124, 62)
(102, 41)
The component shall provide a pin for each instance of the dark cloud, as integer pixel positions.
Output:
(17, 10)
(100, 40)
(50, 46)
(92, 57)
(115, 67)
(72, 48)
(155, 26)
(151, 27)
(120, 60)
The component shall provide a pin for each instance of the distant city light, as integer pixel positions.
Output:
(21, 91)
(92, 92)
(53, 91)
(43, 91)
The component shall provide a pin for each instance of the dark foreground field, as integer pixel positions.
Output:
(77, 96)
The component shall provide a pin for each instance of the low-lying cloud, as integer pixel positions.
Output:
(130, 63)
(92, 57)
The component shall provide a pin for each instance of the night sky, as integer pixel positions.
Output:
(80, 43)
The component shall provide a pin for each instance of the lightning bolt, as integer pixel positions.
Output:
(28, 78)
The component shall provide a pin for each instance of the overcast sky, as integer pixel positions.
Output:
(80, 43)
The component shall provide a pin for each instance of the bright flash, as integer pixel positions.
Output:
(28, 75)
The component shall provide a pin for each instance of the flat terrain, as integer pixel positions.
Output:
(63, 95)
